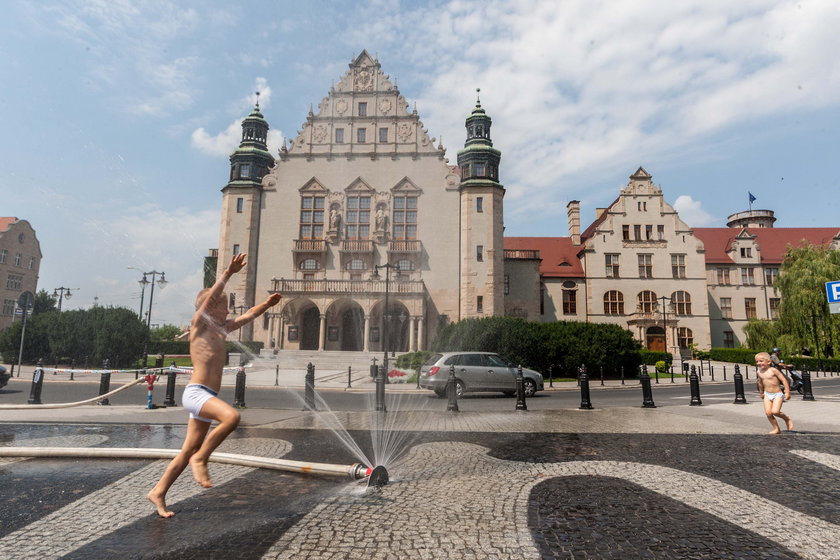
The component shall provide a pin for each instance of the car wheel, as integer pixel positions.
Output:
(459, 388)
(530, 387)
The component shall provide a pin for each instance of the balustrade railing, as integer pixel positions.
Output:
(284, 286)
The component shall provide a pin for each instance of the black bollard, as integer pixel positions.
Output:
(602, 375)
(655, 372)
(583, 381)
(105, 383)
(277, 375)
(72, 368)
(239, 390)
(349, 377)
(724, 373)
(551, 375)
(647, 392)
(695, 388)
(37, 384)
(169, 400)
(451, 391)
(309, 387)
(520, 390)
(739, 386)
(379, 404)
(622, 374)
(672, 372)
(712, 371)
(807, 395)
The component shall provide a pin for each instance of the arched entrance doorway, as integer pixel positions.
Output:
(311, 328)
(352, 329)
(655, 339)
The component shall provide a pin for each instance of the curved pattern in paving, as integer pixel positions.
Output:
(121, 503)
(455, 501)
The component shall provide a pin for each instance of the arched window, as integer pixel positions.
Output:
(405, 264)
(613, 303)
(681, 302)
(685, 338)
(310, 264)
(357, 264)
(647, 301)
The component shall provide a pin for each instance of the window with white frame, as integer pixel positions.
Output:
(613, 303)
(404, 217)
(312, 217)
(682, 302)
(357, 219)
(750, 308)
(726, 308)
(647, 301)
(611, 265)
(678, 266)
(747, 278)
(645, 266)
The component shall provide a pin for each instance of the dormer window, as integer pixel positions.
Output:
(746, 252)
(245, 171)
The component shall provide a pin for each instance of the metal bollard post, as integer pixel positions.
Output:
(37, 384)
(695, 388)
(602, 375)
(647, 393)
(551, 376)
(739, 386)
(239, 390)
(105, 383)
(655, 372)
(520, 390)
(379, 404)
(712, 371)
(622, 374)
(349, 377)
(807, 395)
(72, 368)
(672, 372)
(169, 400)
(277, 375)
(583, 380)
(724, 373)
(451, 391)
(309, 387)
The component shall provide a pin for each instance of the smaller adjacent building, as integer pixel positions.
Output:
(20, 261)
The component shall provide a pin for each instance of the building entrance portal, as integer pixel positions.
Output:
(655, 339)
(310, 329)
(352, 330)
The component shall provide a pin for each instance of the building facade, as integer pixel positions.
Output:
(20, 261)
(373, 239)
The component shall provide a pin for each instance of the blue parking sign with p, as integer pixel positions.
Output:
(832, 290)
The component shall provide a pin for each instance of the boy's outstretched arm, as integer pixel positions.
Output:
(253, 313)
(237, 263)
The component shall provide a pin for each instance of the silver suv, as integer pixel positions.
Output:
(476, 371)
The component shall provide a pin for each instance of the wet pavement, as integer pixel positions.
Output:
(672, 482)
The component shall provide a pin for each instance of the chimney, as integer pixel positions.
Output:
(573, 212)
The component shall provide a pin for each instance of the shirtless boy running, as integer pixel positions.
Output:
(774, 388)
(208, 332)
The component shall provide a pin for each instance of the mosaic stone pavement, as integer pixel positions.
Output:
(452, 495)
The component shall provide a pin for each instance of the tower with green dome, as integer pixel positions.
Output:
(482, 220)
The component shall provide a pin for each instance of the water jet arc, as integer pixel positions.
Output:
(356, 471)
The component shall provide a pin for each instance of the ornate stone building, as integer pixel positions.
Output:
(20, 261)
(371, 236)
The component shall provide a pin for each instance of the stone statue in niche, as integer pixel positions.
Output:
(381, 220)
(335, 219)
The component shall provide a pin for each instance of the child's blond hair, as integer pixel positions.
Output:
(762, 355)
(202, 295)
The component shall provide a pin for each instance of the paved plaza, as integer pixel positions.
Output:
(624, 482)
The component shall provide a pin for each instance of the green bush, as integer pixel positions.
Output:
(413, 360)
(565, 345)
(650, 357)
(661, 366)
(734, 355)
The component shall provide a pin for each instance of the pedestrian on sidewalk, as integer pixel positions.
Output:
(208, 336)
(773, 387)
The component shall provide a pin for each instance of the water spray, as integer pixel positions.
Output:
(376, 476)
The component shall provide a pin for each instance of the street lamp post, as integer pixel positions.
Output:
(143, 282)
(664, 321)
(62, 293)
(386, 312)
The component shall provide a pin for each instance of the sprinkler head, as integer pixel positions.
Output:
(378, 477)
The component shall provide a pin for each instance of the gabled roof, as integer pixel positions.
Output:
(6, 222)
(559, 256)
(772, 242)
(590, 231)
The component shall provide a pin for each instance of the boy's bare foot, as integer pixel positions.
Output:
(789, 423)
(200, 474)
(775, 432)
(160, 504)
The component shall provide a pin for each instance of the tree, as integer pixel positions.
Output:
(44, 302)
(803, 313)
(166, 332)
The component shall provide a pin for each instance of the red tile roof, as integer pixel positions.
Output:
(559, 256)
(772, 242)
(6, 222)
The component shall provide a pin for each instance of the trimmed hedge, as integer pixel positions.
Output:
(650, 357)
(413, 360)
(734, 355)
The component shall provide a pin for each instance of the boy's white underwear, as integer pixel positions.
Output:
(194, 397)
(773, 396)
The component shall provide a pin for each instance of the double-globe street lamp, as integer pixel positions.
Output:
(386, 313)
(62, 293)
(143, 283)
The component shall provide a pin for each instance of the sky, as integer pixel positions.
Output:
(118, 117)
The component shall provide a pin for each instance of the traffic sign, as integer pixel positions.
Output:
(832, 290)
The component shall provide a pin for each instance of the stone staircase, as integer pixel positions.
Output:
(323, 361)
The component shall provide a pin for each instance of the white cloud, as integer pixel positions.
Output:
(692, 213)
(220, 145)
